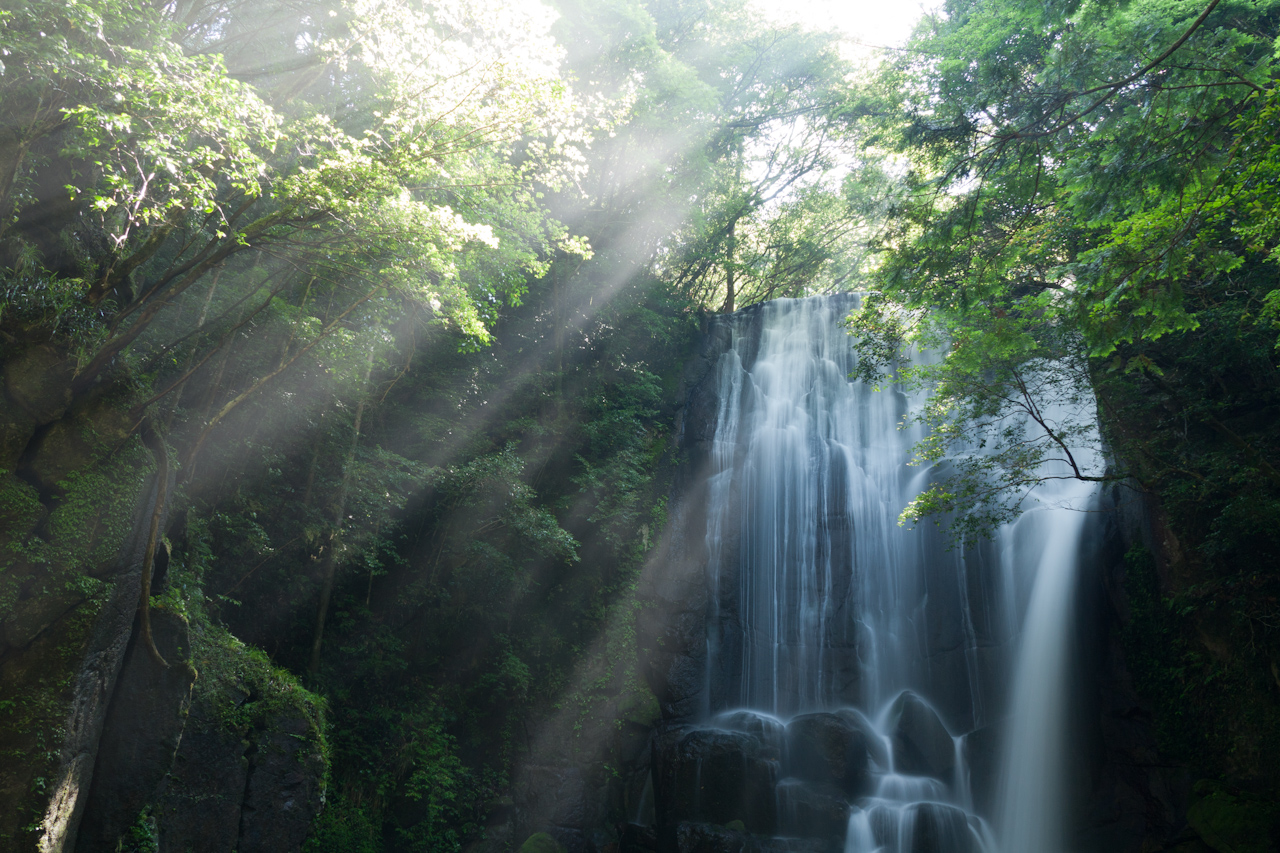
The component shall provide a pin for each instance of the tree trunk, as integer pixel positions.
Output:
(330, 571)
(729, 295)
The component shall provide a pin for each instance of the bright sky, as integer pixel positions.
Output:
(868, 23)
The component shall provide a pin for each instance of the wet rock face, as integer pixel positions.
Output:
(982, 754)
(921, 744)
(239, 789)
(38, 382)
(827, 749)
(141, 734)
(770, 730)
(673, 656)
(200, 810)
(940, 829)
(692, 837)
(922, 828)
(812, 809)
(283, 793)
(714, 776)
(876, 749)
(247, 776)
(567, 804)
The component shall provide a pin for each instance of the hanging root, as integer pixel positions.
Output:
(156, 444)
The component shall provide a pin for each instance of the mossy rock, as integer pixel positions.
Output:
(20, 510)
(39, 381)
(639, 707)
(36, 688)
(1236, 823)
(540, 842)
(77, 442)
(16, 429)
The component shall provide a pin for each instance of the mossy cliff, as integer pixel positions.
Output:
(479, 663)
(1199, 585)
(89, 721)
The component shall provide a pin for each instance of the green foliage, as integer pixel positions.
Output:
(1236, 821)
(319, 247)
(1087, 213)
(1068, 200)
(141, 836)
(1167, 669)
(343, 828)
(490, 491)
(1212, 705)
(740, 144)
(1008, 405)
(33, 716)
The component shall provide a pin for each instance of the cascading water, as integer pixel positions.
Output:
(857, 673)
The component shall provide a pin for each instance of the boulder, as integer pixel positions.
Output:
(826, 748)
(876, 749)
(812, 809)
(694, 837)
(982, 754)
(921, 828)
(938, 828)
(38, 380)
(921, 743)
(713, 776)
(634, 838)
(771, 731)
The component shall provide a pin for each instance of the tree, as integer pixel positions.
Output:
(1071, 202)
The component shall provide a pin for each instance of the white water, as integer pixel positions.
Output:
(1034, 792)
(822, 602)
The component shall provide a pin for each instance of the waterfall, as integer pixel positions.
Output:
(875, 682)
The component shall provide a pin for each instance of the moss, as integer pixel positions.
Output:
(239, 687)
(1214, 712)
(36, 687)
(1235, 822)
(20, 513)
(66, 549)
(344, 827)
(243, 690)
(89, 524)
(20, 507)
(79, 442)
(639, 706)
(540, 842)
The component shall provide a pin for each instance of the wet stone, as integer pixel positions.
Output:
(921, 744)
(770, 730)
(695, 837)
(938, 828)
(827, 748)
(876, 749)
(812, 809)
(714, 776)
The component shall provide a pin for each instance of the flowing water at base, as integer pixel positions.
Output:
(910, 695)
